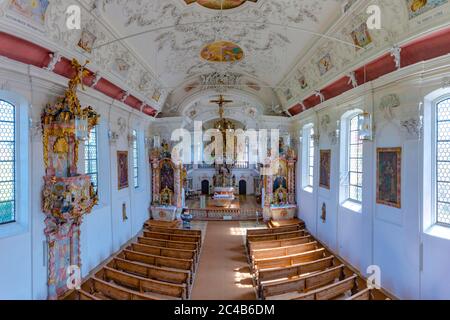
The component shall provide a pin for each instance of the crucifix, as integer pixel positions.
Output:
(221, 103)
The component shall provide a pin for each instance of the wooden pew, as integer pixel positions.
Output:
(108, 291)
(173, 237)
(162, 224)
(257, 245)
(81, 295)
(365, 294)
(284, 251)
(151, 272)
(158, 261)
(301, 284)
(277, 236)
(190, 232)
(167, 243)
(286, 261)
(293, 271)
(255, 232)
(328, 292)
(283, 223)
(163, 252)
(153, 288)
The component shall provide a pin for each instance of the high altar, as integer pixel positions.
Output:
(279, 187)
(67, 196)
(168, 181)
(224, 184)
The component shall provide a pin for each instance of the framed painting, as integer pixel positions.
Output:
(389, 165)
(325, 169)
(87, 41)
(122, 169)
(361, 36)
(325, 64)
(418, 7)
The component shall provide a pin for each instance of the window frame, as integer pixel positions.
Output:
(22, 166)
(434, 161)
(135, 147)
(308, 159)
(86, 159)
(345, 150)
(14, 161)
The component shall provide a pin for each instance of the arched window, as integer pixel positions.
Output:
(135, 159)
(7, 162)
(351, 158)
(441, 158)
(91, 156)
(308, 157)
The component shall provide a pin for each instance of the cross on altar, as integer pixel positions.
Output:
(221, 103)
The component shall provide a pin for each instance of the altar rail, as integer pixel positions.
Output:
(220, 213)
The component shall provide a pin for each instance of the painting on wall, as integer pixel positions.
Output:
(33, 10)
(219, 4)
(419, 7)
(389, 164)
(325, 169)
(361, 36)
(87, 41)
(325, 64)
(222, 51)
(156, 95)
(167, 175)
(122, 169)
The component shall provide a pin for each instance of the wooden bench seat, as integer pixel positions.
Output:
(108, 291)
(301, 284)
(283, 223)
(158, 289)
(286, 261)
(284, 251)
(329, 292)
(254, 232)
(190, 232)
(162, 224)
(163, 252)
(277, 236)
(257, 245)
(293, 271)
(151, 272)
(173, 237)
(81, 295)
(158, 261)
(365, 294)
(167, 243)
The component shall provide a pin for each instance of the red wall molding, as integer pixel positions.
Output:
(425, 48)
(29, 53)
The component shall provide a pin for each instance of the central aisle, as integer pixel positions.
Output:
(223, 272)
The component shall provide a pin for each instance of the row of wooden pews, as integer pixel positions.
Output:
(158, 265)
(289, 264)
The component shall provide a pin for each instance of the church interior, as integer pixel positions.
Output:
(224, 150)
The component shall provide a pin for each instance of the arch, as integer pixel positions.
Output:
(205, 187)
(242, 187)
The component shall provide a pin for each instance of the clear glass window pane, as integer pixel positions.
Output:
(355, 154)
(91, 157)
(443, 162)
(135, 159)
(7, 162)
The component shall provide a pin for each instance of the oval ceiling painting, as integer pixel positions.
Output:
(219, 4)
(222, 51)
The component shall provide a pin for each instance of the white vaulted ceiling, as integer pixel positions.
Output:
(169, 35)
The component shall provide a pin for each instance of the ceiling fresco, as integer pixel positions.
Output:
(222, 51)
(173, 35)
(219, 4)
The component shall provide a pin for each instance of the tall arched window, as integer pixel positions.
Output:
(7, 162)
(308, 157)
(135, 159)
(351, 158)
(91, 156)
(442, 162)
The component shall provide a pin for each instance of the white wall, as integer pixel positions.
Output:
(379, 235)
(23, 271)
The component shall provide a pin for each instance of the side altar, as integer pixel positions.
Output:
(279, 187)
(168, 182)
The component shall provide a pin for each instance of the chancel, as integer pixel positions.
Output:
(224, 150)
